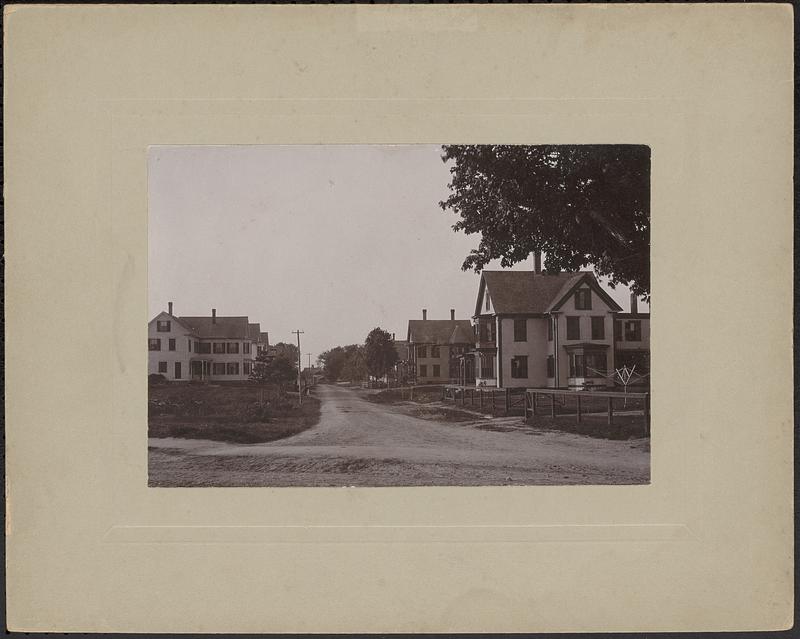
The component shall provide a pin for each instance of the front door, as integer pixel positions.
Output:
(177, 370)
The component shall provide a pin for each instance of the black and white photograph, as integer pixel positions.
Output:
(399, 315)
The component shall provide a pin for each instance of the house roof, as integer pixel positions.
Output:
(224, 327)
(253, 331)
(264, 337)
(527, 292)
(439, 331)
(523, 291)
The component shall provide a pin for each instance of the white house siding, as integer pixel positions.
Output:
(536, 348)
(599, 308)
(181, 353)
(225, 358)
(443, 362)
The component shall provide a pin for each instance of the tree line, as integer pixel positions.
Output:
(357, 362)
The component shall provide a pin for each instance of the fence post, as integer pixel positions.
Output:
(492, 395)
(480, 399)
(525, 407)
(443, 391)
(610, 410)
(508, 398)
(646, 414)
(578, 411)
(533, 404)
(553, 405)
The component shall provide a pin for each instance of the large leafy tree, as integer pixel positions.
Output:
(334, 360)
(580, 205)
(273, 370)
(379, 352)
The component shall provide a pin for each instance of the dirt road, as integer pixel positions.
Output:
(359, 443)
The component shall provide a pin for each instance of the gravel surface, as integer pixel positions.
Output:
(360, 443)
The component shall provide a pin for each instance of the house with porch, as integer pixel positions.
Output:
(536, 329)
(435, 346)
(211, 347)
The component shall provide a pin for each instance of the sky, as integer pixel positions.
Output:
(333, 240)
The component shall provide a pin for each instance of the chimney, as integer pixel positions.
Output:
(537, 262)
(634, 303)
(392, 336)
(169, 307)
(266, 337)
(424, 313)
(452, 313)
(213, 316)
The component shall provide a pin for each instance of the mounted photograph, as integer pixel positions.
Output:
(399, 315)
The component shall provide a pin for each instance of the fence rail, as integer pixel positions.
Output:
(585, 402)
(486, 397)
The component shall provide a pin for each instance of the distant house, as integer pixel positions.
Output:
(312, 375)
(434, 347)
(632, 339)
(535, 330)
(203, 348)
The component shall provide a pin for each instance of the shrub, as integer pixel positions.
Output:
(155, 379)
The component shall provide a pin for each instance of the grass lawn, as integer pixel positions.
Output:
(420, 395)
(240, 413)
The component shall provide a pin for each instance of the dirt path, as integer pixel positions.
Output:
(365, 444)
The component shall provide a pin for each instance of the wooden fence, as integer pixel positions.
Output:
(486, 398)
(561, 401)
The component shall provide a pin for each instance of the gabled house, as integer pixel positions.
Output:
(434, 347)
(535, 329)
(632, 339)
(204, 348)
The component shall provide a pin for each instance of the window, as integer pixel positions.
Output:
(204, 348)
(435, 351)
(595, 364)
(550, 321)
(521, 330)
(219, 348)
(633, 331)
(177, 370)
(488, 302)
(162, 367)
(485, 332)
(190, 345)
(248, 368)
(218, 369)
(233, 347)
(576, 367)
(487, 367)
(617, 330)
(422, 351)
(551, 366)
(437, 370)
(246, 348)
(573, 328)
(519, 367)
(583, 299)
(154, 344)
(172, 343)
(423, 370)
(598, 327)
(233, 368)
(163, 326)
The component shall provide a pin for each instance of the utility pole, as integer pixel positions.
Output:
(298, 332)
(309, 359)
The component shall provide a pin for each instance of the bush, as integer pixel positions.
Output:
(155, 379)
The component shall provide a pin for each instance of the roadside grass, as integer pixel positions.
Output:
(238, 413)
(624, 426)
(419, 395)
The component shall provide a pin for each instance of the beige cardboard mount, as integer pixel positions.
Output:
(706, 546)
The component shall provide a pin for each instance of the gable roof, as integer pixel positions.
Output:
(163, 315)
(439, 331)
(527, 292)
(522, 291)
(264, 338)
(224, 327)
(590, 279)
(253, 331)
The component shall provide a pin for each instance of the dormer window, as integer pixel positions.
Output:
(163, 326)
(488, 302)
(583, 299)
